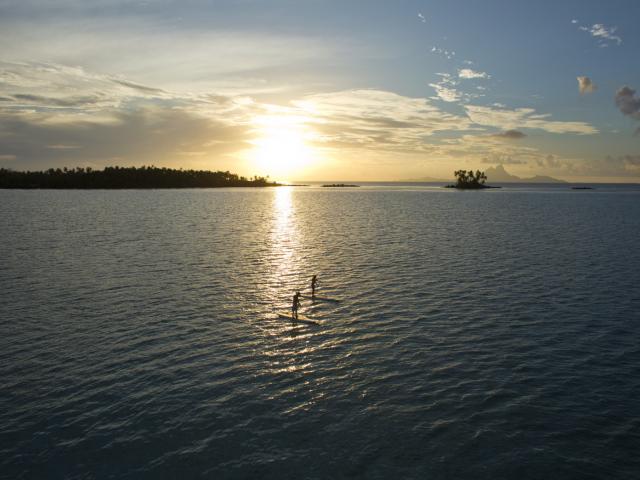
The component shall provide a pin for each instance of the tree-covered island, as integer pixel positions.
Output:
(127, 177)
(468, 180)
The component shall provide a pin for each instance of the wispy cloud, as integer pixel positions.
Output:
(51, 115)
(468, 73)
(172, 56)
(448, 54)
(55, 114)
(602, 33)
(49, 85)
(447, 94)
(585, 85)
(447, 89)
(507, 119)
(376, 119)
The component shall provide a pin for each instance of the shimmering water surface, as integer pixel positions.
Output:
(480, 335)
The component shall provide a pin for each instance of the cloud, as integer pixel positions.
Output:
(631, 162)
(52, 102)
(504, 160)
(487, 148)
(603, 34)
(507, 119)
(446, 94)
(60, 115)
(422, 18)
(445, 88)
(448, 54)
(172, 54)
(468, 73)
(139, 87)
(509, 135)
(620, 165)
(585, 85)
(48, 85)
(56, 115)
(447, 91)
(627, 102)
(375, 119)
(550, 161)
(145, 135)
(74, 90)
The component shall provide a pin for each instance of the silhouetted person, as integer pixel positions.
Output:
(314, 281)
(295, 305)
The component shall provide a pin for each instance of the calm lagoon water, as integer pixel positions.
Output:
(480, 335)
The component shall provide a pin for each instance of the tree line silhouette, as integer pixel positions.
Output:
(127, 177)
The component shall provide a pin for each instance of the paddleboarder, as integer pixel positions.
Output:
(314, 281)
(295, 305)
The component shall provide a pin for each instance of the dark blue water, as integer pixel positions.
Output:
(480, 335)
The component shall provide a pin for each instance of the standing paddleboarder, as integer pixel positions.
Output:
(314, 281)
(295, 305)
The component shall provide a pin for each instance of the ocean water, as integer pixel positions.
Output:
(479, 335)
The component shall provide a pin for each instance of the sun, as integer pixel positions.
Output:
(280, 148)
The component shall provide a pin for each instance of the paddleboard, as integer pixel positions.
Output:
(301, 318)
(320, 299)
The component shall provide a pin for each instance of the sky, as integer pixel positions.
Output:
(323, 90)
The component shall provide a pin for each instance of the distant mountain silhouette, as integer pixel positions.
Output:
(499, 174)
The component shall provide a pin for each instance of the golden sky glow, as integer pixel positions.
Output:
(389, 92)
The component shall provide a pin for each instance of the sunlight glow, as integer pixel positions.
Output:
(281, 149)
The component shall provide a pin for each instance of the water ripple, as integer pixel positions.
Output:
(478, 335)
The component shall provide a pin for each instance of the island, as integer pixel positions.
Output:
(332, 185)
(127, 177)
(468, 180)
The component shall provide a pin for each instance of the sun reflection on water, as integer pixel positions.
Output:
(288, 348)
(287, 246)
(285, 251)
(283, 210)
